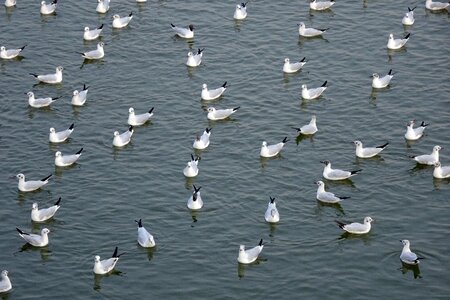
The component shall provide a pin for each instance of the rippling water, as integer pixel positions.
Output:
(305, 255)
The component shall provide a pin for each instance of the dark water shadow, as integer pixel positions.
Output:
(98, 62)
(365, 238)
(98, 278)
(243, 267)
(303, 137)
(336, 206)
(43, 251)
(406, 268)
(391, 53)
(148, 251)
(438, 182)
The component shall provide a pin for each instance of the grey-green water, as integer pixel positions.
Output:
(195, 257)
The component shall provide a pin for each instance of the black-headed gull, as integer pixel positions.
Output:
(412, 133)
(272, 215)
(327, 197)
(240, 12)
(366, 152)
(220, 114)
(107, 265)
(144, 238)
(308, 129)
(191, 169)
(42, 215)
(272, 150)
(79, 97)
(47, 9)
(309, 32)
(428, 159)
(97, 53)
(30, 185)
(408, 18)
(321, 5)
(336, 174)
(5, 283)
(121, 22)
(435, 5)
(195, 201)
(395, 44)
(50, 78)
(60, 136)
(122, 139)
(10, 3)
(37, 240)
(195, 59)
(381, 82)
(40, 102)
(102, 6)
(10, 53)
(186, 33)
(92, 34)
(213, 94)
(289, 67)
(66, 160)
(202, 142)
(310, 94)
(140, 119)
(250, 255)
(407, 256)
(357, 228)
(440, 171)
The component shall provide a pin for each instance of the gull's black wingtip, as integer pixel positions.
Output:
(151, 110)
(71, 126)
(324, 84)
(79, 151)
(44, 179)
(57, 203)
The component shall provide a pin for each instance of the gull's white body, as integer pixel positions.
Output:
(120, 22)
(412, 133)
(10, 53)
(105, 266)
(137, 120)
(212, 94)
(195, 201)
(240, 13)
(37, 240)
(271, 150)
(220, 114)
(102, 6)
(429, 159)
(30, 185)
(144, 238)
(42, 215)
(310, 94)
(408, 18)
(309, 32)
(47, 9)
(191, 169)
(92, 34)
(272, 215)
(336, 174)
(122, 139)
(395, 44)
(10, 3)
(357, 228)
(60, 136)
(79, 97)
(321, 5)
(325, 196)
(407, 256)
(381, 82)
(186, 33)
(367, 151)
(310, 128)
(202, 142)
(95, 54)
(66, 160)
(250, 255)
(51, 78)
(39, 102)
(194, 60)
(289, 67)
(441, 171)
(434, 5)
(5, 283)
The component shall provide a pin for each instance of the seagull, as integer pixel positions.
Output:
(60, 136)
(95, 54)
(10, 53)
(141, 1)
(289, 67)
(408, 19)
(102, 6)
(313, 93)
(434, 5)
(320, 5)
(356, 228)
(41, 215)
(194, 60)
(379, 83)
(31, 185)
(428, 159)
(412, 133)
(124, 138)
(191, 169)
(119, 22)
(308, 129)
(145, 239)
(39, 102)
(107, 265)
(213, 94)
(79, 97)
(66, 160)
(37, 240)
(50, 78)
(92, 34)
(186, 33)
(407, 256)
(272, 150)
(310, 32)
(272, 215)
(240, 13)
(441, 171)
(202, 142)
(9, 3)
(368, 151)
(137, 120)
(250, 255)
(220, 114)
(5, 283)
(327, 197)
(336, 174)
(395, 44)
(195, 202)
(47, 9)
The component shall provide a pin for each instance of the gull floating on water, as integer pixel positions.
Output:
(50, 78)
(321, 5)
(195, 201)
(213, 94)
(186, 33)
(408, 18)
(120, 22)
(102, 6)
(5, 283)
(428, 159)
(37, 240)
(191, 169)
(66, 160)
(395, 44)
(368, 151)
(31, 185)
(202, 142)
(289, 67)
(195, 60)
(379, 83)
(336, 174)
(95, 54)
(10, 3)
(145, 239)
(47, 9)
(327, 197)
(60, 136)
(357, 228)
(407, 256)
(79, 97)
(107, 265)
(272, 215)
(10, 53)
(435, 5)
(441, 171)
(39, 102)
(92, 34)
(308, 129)
(137, 120)
(220, 114)
(314, 93)
(412, 133)
(42, 215)
(240, 13)
(122, 139)
(272, 150)
(250, 255)
(309, 32)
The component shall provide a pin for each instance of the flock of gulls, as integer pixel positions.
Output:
(195, 202)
